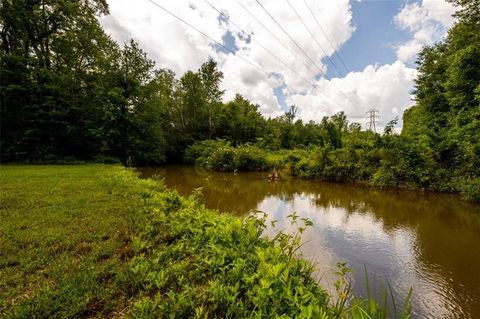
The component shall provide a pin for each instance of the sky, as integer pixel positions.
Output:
(324, 56)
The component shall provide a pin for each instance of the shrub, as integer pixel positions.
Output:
(340, 165)
(222, 159)
(307, 164)
(470, 188)
(306, 168)
(106, 159)
(200, 152)
(193, 262)
(250, 158)
(218, 155)
(384, 177)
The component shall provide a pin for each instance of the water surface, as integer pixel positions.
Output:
(427, 241)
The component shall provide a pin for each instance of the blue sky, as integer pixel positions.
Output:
(372, 42)
(375, 35)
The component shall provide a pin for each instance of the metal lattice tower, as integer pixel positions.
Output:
(372, 119)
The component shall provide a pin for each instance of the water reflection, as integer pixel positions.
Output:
(426, 241)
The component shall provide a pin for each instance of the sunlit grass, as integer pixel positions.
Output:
(64, 235)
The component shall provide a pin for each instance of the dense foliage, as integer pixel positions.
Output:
(153, 254)
(69, 92)
(220, 155)
(445, 122)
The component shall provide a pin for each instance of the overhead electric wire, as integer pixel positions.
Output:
(292, 39)
(295, 42)
(327, 37)
(206, 35)
(253, 39)
(216, 42)
(313, 37)
(275, 37)
(319, 45)
(231, 21)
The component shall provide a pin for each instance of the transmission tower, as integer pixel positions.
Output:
(372, 119)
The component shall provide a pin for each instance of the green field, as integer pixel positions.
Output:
(64, 237)
(96, 241)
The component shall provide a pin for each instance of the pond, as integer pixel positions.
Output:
(427, 241)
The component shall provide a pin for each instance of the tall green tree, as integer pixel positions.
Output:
(52, 52)
(446, 118)
(240, 121)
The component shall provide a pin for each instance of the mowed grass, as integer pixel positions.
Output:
(64, 241)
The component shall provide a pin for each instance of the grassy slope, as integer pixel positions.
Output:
(96, 241)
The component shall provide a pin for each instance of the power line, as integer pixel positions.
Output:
(218, 43)
(320, 46)
(313, 37)
(253, 39)
(299, 47)
(206, 35)
(275, 37)
(288, 35)
(327, 37)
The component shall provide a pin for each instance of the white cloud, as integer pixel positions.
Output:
(440, 11)
(385, 88)
(428, 22)
(174, 45)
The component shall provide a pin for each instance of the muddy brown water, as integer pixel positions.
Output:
(427, 241)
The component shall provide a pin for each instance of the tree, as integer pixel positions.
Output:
(291, 113)
(241, 121)
(53, 56)
(211, 78)
(446, 118)
(388, 130)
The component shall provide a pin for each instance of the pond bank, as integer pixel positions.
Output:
(95, 240)
(354, 165)
(426, 241)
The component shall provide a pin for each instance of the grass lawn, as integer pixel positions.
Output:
(64, 234)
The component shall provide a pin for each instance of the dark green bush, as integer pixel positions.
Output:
(222, 159)
(470, 188)
(200, 152)
(106, 159)
(384, 177)
(250, 158)
(219, 155)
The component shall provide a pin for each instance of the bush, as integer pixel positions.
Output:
(200, 152)
(193, 262)
(307, 164)
(250, 158)
(106, 159)
(219, 155)
(340, 165)
(222, 159)
(306, 168)
(384, 177)
(470, 188)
